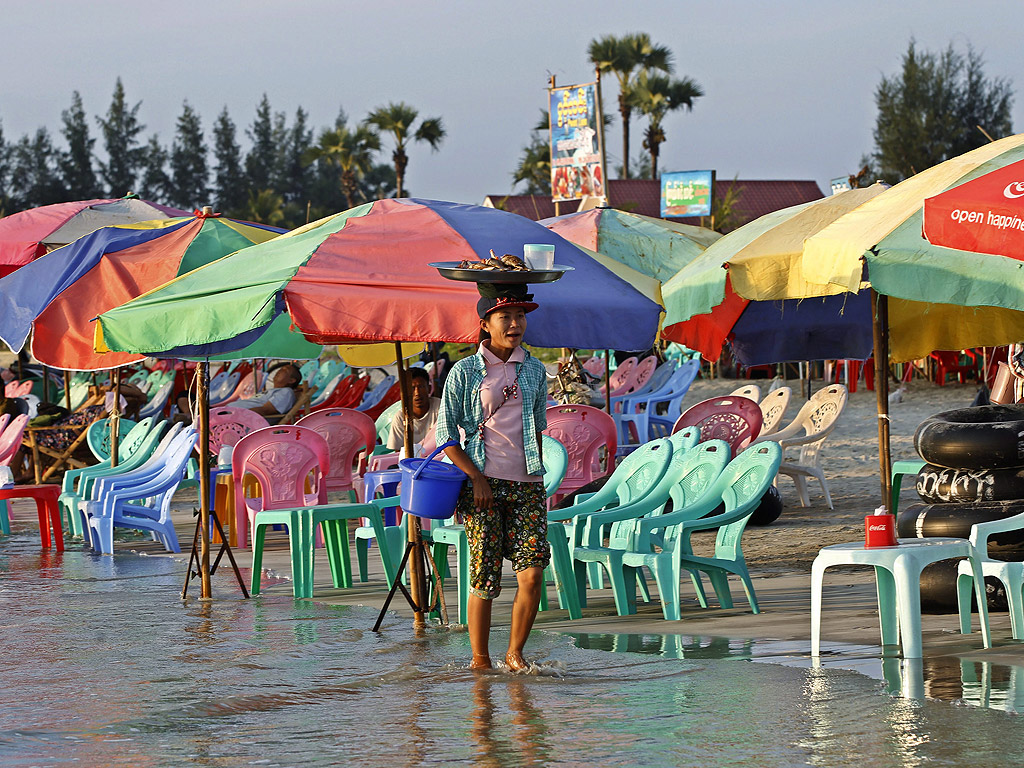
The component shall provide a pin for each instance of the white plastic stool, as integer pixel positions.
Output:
(897, 579)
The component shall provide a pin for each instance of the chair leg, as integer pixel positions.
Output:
(462, 554)
(980, 593)
(888, 619)
(5, 519)
(565, 578)
(817, 575)
(720, 583)
(258, 536)
(335, 536)
(580, 571)
(1015, 597)
(623, 605)
(362, 555)
(801, 490)
(824, 490)
(964, 588)
(666, 575)
(698, 587)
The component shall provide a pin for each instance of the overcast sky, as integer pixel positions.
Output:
(789, 85)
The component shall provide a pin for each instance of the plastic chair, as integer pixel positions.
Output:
(737, 420)
(283, 459)
(900, 469)
(655, 383)
(373, 396)
(584, 431)
(594, 366)
(949, 364)
(156, 404)
(4, 418)
(45, 497)
(662, 409)
(247, 388)
(814, 422)
(773, 408)
(18, 388)
(229, 424)
(140, 499)
(383, 422)
(897, 576)
(749, 391)
(1009, 573)
(350, 436)
(620, 377)
(320, 395)
(10, 438)
(97, 436)
(77, 484)
(638, 377)
(225, 388)
(389, 398)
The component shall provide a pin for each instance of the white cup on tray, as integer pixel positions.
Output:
(539, 256)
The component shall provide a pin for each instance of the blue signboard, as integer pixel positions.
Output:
(687, 193)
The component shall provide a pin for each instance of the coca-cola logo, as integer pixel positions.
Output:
(882, 527)
(1014, 190)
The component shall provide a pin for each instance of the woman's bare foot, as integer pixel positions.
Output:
(516, 662)
(480, 662)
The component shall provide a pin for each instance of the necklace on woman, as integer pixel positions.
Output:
(509, 390)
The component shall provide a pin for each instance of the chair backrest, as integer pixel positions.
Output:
(584, 431)
(751, 391)
(737, 420)
(228, 425)
(595, 366)
(694, 472)
(374, 396)
(637, 474)
(661, 376)
(19, 388)
(383, 422)
(350, 434)
(622, 373)
(329, 370)
(353, 395)
(389, 398)
(282, 459)
(157, 401)
(556, 462)
(818, 416)
(327, 389)
(741, 487)
(98, 437)
(226, 387)
(773, 408)
(10, 438)
(4, 418)
(641, 374)
(247, 387)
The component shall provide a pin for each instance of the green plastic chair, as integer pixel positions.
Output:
(301, 524)
(97, 436)
(78, 483)
(383, 427)
(740, 488)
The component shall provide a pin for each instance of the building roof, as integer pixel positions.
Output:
(643, 196)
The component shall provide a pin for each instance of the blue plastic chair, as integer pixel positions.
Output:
(644, 415)
(141, 499)
(658, 380)
(156, 403)
(375, 395)
(225, 389)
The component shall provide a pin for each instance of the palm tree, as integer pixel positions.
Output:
(351, 151)
(398, 119)
(624, 57)
(655, 96)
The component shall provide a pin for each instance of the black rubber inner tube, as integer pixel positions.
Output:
(955, 520)
(984, 437)
(938, 485)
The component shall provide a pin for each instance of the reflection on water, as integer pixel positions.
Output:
(103, 665)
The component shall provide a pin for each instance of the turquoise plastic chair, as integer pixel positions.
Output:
(97, 436)
(689, 477)
(1010, 573)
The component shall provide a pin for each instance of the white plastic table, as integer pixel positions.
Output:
(897, 579)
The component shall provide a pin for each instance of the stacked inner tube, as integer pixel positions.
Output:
(975, 474)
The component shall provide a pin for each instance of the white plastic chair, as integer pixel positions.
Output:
(749, 391)
(773, 408)
(1011, 574)
(807, 432)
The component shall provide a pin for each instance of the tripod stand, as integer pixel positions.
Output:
(420, 548)
(225, 548)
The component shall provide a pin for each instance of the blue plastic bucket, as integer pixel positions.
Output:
(430, 488)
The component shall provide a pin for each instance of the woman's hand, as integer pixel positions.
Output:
(482, 498)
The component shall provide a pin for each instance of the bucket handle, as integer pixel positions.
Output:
(437, 450)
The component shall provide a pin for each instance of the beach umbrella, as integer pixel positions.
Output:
(57, 296)
(364, 276)
(731, 292)
(654, 247)
(27, 235)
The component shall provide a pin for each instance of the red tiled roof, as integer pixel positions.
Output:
(643, 196)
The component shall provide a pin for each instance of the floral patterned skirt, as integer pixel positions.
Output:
(514, 528)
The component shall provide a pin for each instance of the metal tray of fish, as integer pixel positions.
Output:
(452, 271)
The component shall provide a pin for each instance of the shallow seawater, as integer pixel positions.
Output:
(103, 665)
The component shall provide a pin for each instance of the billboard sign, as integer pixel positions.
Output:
(576, 135)
(841, 184)
(687, 193)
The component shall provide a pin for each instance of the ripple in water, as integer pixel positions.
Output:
(105, 666)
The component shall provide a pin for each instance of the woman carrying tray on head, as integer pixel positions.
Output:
(499, 398)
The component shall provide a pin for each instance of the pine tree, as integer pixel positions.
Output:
(260, 160)
(75, 162)
(34, 174)
(189, 171)
(125, 156)
(293, 172)
(155, 184)
(229, 186)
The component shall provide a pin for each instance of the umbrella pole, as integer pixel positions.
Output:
(203, 406)
(46, 385)
(880, 331)
(115, 419)
(608, 381)
(416, 570)
(67, 390)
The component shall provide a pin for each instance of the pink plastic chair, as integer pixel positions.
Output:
(639, 376)
(282, 459)
(10, 438)
(736, 420)
(4, 418)
(620, 376)
(595, 366)
(228, 425)
(583, 430)
(18, 388)
(350, 435)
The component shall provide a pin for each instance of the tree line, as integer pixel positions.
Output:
(290, 172)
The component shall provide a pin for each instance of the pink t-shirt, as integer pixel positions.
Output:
(503, 432)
